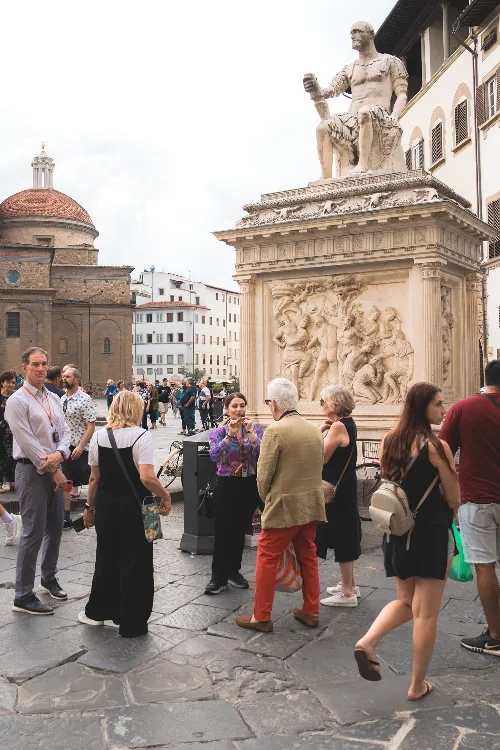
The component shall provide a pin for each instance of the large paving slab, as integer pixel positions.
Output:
(448, 654)
(171, 597)
(122, 654)
(8, 697)
(279, 644)
(354, 702)
(161, 681)
(51, 733)
(240, 674)
(71, 686)
(33, 629)
(194, 617)
(29, 661)
(170, 723)
(289, 711)
(200, 650)
(327, 741)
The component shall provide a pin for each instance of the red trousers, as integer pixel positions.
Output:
(272, 544)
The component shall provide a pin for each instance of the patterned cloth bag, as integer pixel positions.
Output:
(288, 572)
(150, 508)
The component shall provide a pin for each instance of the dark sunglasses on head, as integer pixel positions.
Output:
(321, 402)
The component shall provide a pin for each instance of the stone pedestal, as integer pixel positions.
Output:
(370, 282)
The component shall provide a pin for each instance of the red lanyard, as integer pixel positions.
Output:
(49, 412)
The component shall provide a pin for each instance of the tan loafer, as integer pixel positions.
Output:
(312, 621)
(244, 621)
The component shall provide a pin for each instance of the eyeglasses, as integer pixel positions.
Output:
(65, 407)
(268, 401)
(321, 402)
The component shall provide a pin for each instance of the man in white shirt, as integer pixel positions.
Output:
(41, 442)
(204, 403)
(80, 415)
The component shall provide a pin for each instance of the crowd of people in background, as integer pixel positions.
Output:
(49, 449)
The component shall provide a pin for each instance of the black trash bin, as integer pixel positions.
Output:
(198, 536)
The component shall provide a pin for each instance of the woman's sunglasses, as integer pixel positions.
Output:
(268, 401)
(321, 402)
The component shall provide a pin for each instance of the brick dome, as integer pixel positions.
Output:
(45, 202)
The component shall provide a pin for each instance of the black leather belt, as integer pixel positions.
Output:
(24, 461)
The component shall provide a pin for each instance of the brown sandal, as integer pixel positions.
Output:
(428, 690)
(365, 670)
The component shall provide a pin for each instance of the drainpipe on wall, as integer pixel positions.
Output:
(477, 155)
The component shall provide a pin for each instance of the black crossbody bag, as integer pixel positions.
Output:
(150, 510)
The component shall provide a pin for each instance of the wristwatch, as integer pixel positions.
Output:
(62, 454)
(88, 507)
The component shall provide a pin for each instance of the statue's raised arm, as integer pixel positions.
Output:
(367, 138)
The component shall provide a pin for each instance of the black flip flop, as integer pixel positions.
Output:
(365, 670)
(428, 690)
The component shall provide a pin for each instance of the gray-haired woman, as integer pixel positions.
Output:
(342, 532)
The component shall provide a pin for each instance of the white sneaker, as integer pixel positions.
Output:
(13, 531)
(339, 600)
(82, 617)
(338, 587)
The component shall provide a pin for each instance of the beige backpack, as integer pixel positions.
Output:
(389, 507)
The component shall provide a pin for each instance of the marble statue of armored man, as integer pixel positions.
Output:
(366, 139)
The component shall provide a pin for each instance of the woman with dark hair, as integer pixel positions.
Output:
(11, 523)
(234, 447)
(420, 571)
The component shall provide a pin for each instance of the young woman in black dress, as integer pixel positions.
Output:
(342, 532)
(421, 571)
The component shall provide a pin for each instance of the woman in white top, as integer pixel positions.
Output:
(122, 586)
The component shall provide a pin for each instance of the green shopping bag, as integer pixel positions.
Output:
(460, 570)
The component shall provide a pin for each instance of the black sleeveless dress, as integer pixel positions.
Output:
(342, 532)
(428, 553)
(123, 584)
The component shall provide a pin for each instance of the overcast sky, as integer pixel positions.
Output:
(164, 117)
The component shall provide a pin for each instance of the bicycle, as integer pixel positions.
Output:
(171, 468)
(368, 473)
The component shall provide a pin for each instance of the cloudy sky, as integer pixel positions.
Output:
(164, 117)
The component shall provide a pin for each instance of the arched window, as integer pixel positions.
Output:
(107, 346)
(62, 345)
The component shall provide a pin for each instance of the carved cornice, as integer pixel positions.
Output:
(431, 271)
(246, 284)
(472, 282)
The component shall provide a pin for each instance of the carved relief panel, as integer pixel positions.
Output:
(328, 331)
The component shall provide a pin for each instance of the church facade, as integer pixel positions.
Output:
(53, 293)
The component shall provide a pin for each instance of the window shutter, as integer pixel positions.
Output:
(480, 108)
(461, 127)
(437, 143)
(498, 88)
(494, 221)
(408, 165)
(421, 153)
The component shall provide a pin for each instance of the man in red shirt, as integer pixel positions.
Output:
(473, 425)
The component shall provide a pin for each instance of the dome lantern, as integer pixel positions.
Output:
(43, 170)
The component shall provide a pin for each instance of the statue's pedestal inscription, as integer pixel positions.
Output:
(370, 282)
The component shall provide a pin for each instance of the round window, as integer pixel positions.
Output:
(13, 278)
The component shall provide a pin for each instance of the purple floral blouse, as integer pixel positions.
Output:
(230, 457)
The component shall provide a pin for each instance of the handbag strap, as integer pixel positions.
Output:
(209, 483)
(413, 459)
(347, 464)
(120, 463)
(490, 398)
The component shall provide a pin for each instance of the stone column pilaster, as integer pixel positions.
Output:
(248, 347)
(431, 308)
(472, 288)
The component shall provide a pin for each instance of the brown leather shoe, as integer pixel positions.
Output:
(312, 621)
(265, 626)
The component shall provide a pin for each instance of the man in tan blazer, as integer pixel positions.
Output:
(289, 481)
